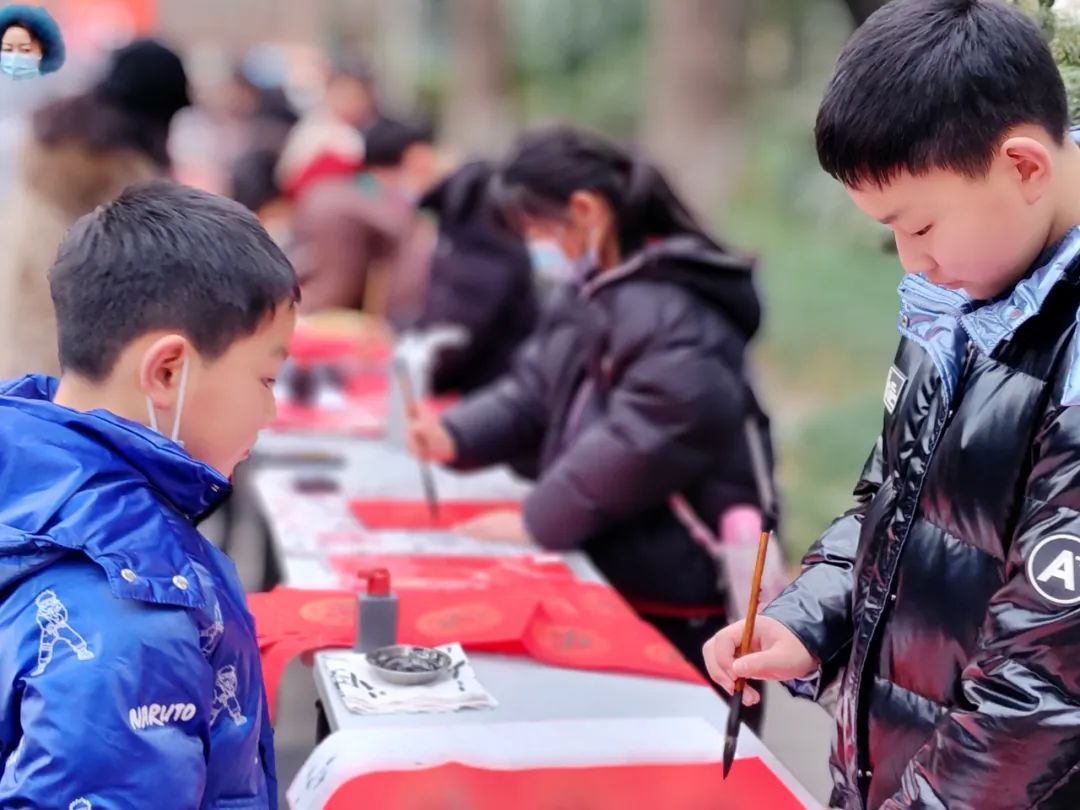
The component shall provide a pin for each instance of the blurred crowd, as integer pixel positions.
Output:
(373, 213)
(601, 331)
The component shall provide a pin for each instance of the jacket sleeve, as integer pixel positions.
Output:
(507, 420)
(1012, 739)
(817, 605)
(673, 409)
(114, 706)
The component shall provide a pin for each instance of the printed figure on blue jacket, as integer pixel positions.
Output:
(945, 605)
(130, 673)
(633, 392)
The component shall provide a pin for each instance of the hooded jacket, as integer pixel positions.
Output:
(633, 389)
(129, 672)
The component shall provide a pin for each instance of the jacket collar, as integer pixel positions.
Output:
(944, 322)
(77, 496)
(991, 324)
(193, 488)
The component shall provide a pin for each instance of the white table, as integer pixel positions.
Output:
(534, 695)
(306, 529)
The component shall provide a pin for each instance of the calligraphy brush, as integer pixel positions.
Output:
(412, 411)
(767, 498)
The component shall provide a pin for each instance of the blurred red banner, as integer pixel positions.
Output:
(94, 25)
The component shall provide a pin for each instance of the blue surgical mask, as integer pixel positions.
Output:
(20, 65)
(550, 262)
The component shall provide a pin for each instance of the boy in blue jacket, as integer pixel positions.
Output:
(129, 671)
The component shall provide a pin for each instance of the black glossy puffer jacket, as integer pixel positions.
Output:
(950, 595)
(631, 390)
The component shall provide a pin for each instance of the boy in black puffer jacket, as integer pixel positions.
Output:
(949, 594)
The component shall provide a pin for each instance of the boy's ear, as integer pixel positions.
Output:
(159, 371)
(1030, 165)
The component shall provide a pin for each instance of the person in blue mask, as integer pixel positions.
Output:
(32, 44)
(628, 403)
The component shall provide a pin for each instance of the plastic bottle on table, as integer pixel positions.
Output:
(377, 613)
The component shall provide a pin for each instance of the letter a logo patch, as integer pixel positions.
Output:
(1053, 569)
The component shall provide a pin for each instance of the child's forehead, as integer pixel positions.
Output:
(269, 341)
(905, 193)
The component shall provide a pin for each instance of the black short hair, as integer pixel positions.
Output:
(386, 140)
(927, 84)
(164, 256)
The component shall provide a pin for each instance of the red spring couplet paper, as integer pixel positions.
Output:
(363, 414)
(449, 572)
(363, 363)
(313, 346)
(517, 606)
(388, 514)
(749, 786)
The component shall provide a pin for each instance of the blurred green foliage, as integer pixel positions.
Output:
(830, 320)
(1063, 32)
(581, 62)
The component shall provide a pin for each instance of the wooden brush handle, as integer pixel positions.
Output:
(752, 609)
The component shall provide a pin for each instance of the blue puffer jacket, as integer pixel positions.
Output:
(129, 672)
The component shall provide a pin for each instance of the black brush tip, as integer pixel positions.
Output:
(729, 753)
(731, 738)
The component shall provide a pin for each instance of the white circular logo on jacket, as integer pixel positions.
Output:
(1053, 569)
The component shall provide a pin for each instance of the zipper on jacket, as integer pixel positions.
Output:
(864, 772)
(965, 372)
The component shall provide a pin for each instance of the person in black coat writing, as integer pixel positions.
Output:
(632, 392)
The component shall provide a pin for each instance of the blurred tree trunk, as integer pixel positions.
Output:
(402, 45)
(799, 43)
(696, 59)
(477, 115)
(861, 9)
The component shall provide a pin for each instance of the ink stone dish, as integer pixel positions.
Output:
(409, 666)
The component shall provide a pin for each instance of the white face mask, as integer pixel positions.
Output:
(552, 264)
(549, 261)
(175, 435)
